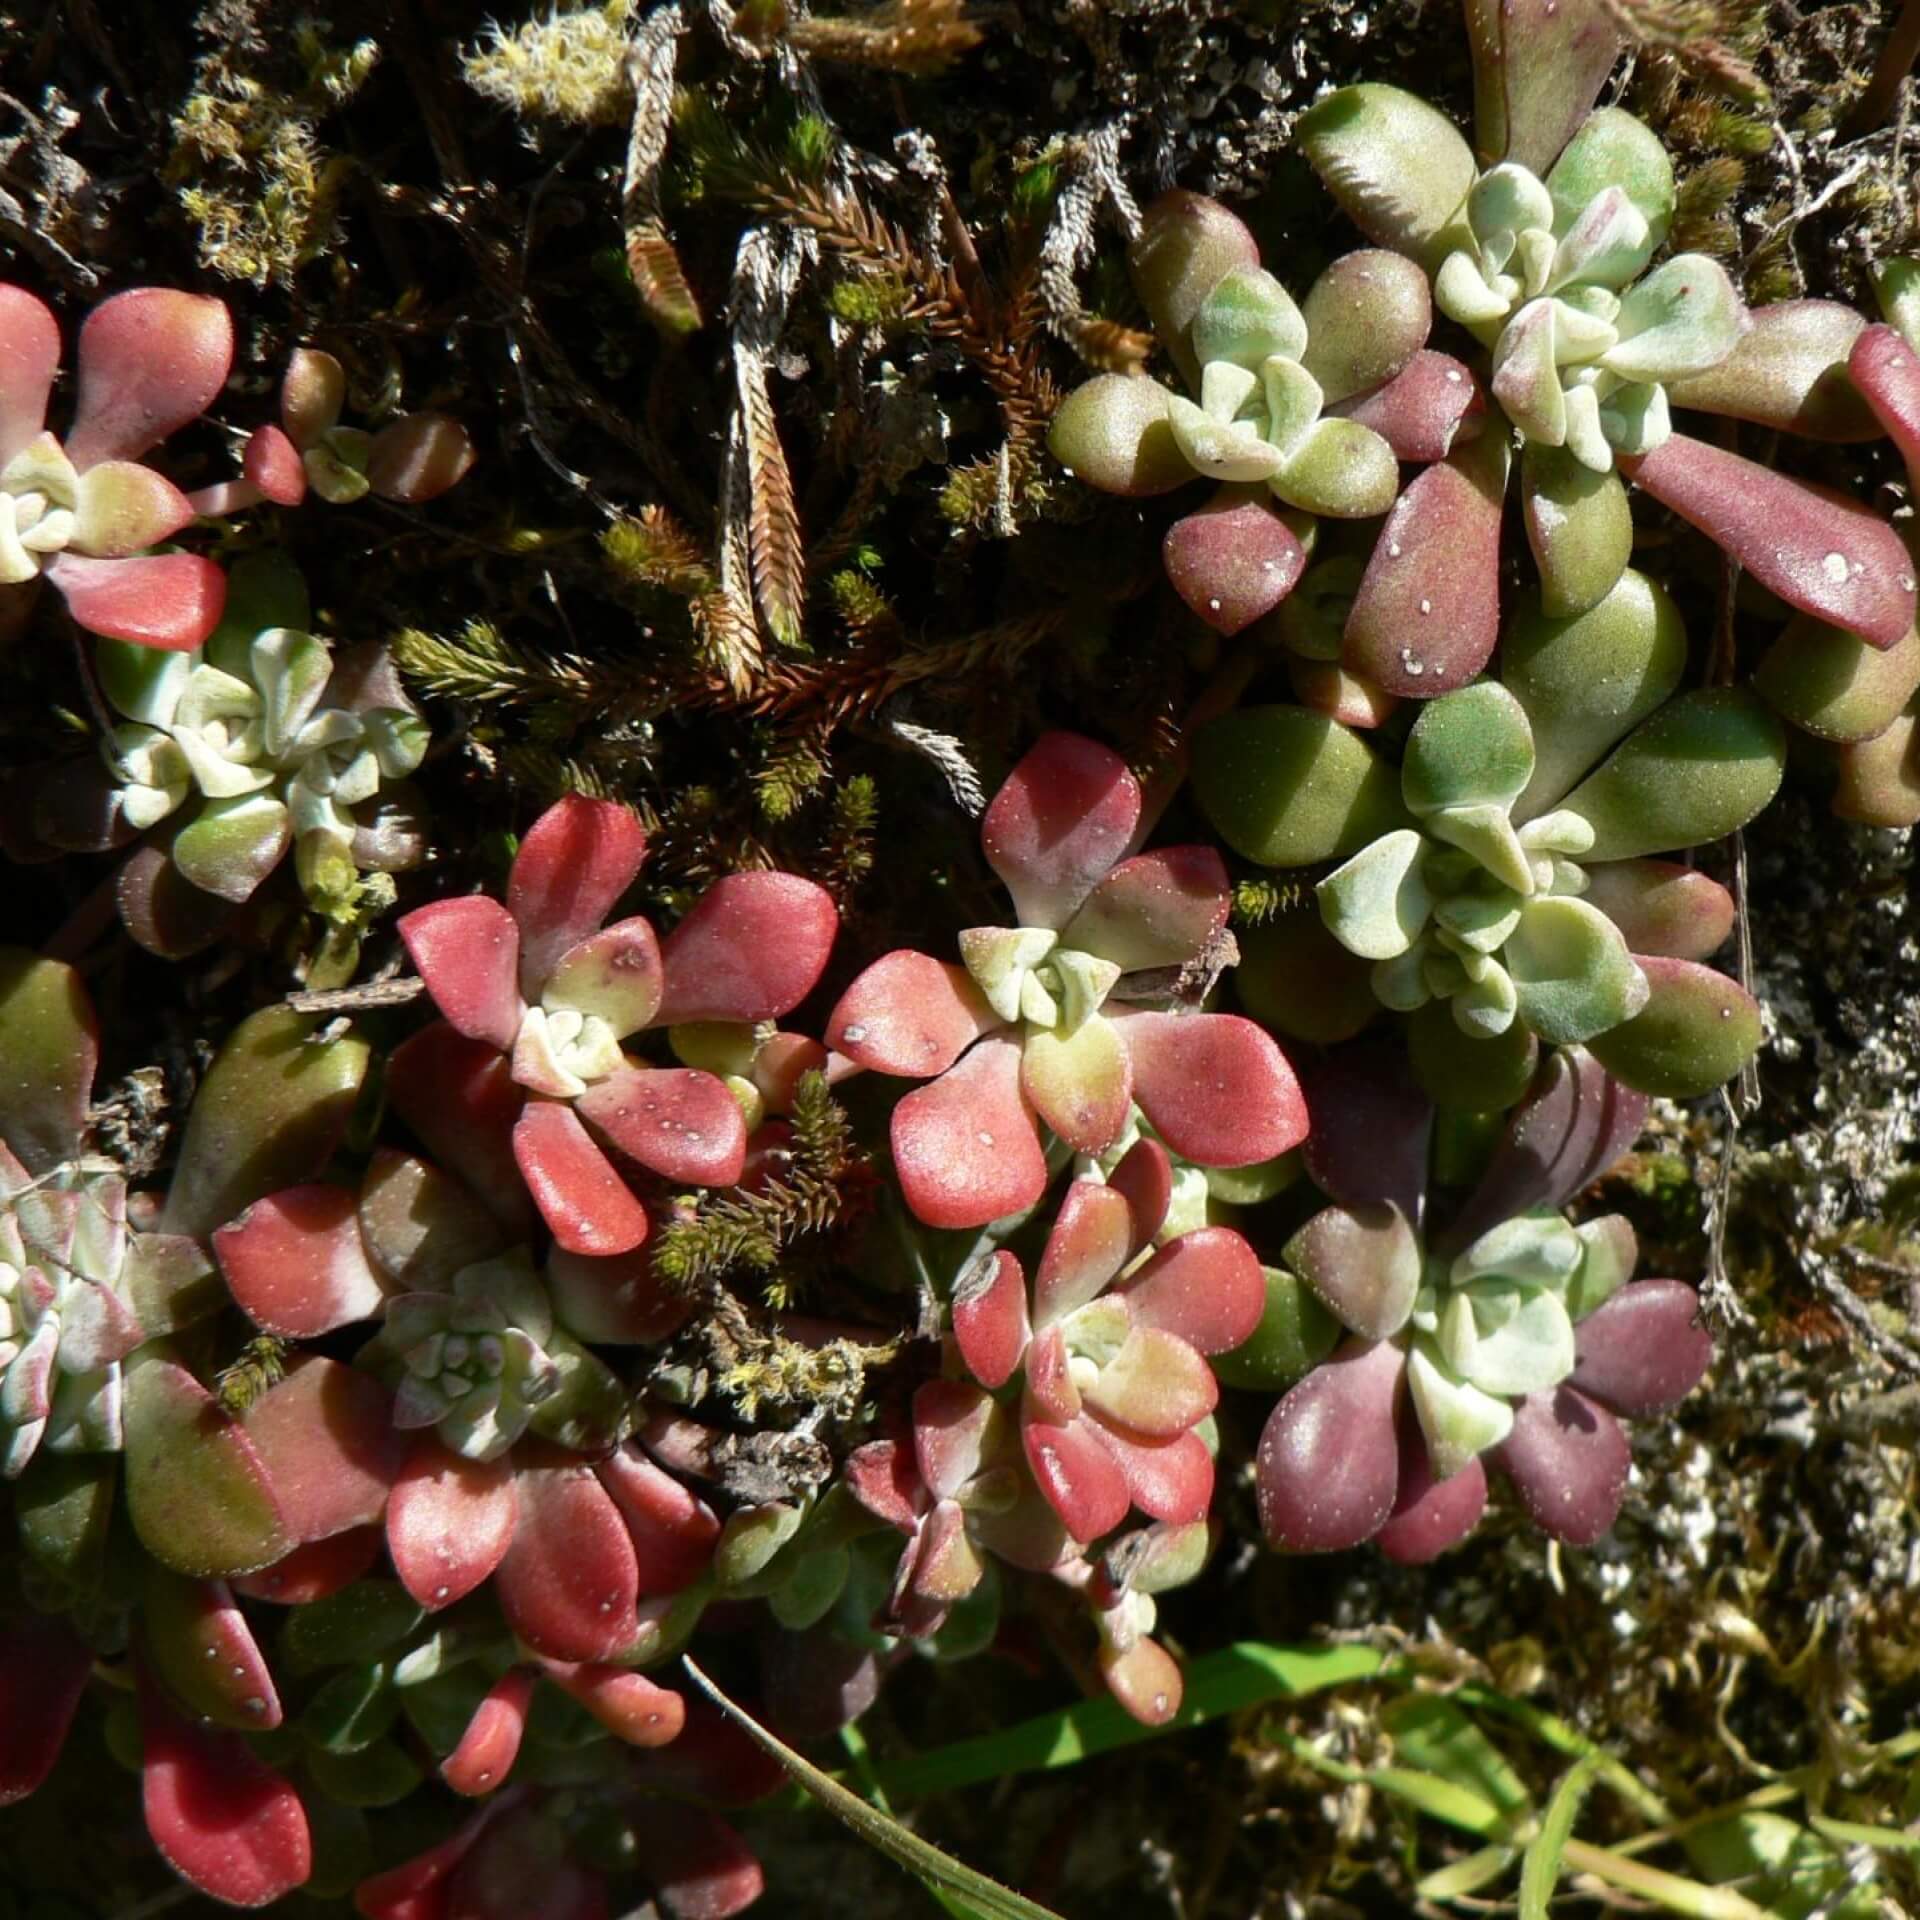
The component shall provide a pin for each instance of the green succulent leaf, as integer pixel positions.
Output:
(1398, 166)
(48, 1050)
(1113, 433)
(1571, 971)
(1613, 149)
(1472, 746)
(1378, 902)
(231, 845)
(1248, 318)
(1579, 525)
(1835, 684)
(1458, 1420)
(1296, 1332)
(1683, 318)
(1696, 1031)
(1340, 469)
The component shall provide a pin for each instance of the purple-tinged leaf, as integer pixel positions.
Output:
(491, 1743)
(49, 1048)
(1697, 1030)
(162, 910)
(1887, 372)
(171, 600)
(753, 947)
(1145, 1177)
(885, 1478)
(468, 952)
(1370, 1130)
(1233, 560)
(701, 1868)
(201, 1646)
(313, 1571)
(1643, 1350)
(417, 1889)
(964, 1147)
(1205, 1288)
(990, 1317)
(1429, 1515)
(223, 1820)
(1538, 67)
(1078, 1474)
(1348, 698)
(1058, 825)
(197, 1491)
(672, 1528)
(1662, 907)
(326, 1437)
(295, 1263)
(1363, 1262)
(29, 359)
(1420, 411)
(1568, 1461)
(450, 1521)
(1328, 1468)
(577, 859)
(1819, 553)
(1215, 1087)
(1427, 614)
(1788, 370)
(43, 1666)
(1048, 1392)
(151, 359)
(1170, 1479)
(419, 456)
(570, 1583)
(678, 1122)
(587, 1206)
(909, 1014)
(1157, 909)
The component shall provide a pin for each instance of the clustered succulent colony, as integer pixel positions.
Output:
(337, 1461)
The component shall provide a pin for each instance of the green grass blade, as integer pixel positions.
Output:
(957, 1886)
(1479, 1869)
(1540, 1868)
(1434, 1734)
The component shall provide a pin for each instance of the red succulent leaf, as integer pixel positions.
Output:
(468, 952)
(418, 457)
(417, 1888)
(1818, 552)
(677, 1121)
(1170, 1479)
(517, 1868)
(122, 507)
(43, 1666)
(151, 359)
(1206, 1288)
(29, 359)
(1062, 819)
(1157, 909)
(458, 1095)
(1144, 1178)
(752, 947)
(885, 1478)
(418, 1225)
(296, 1265)
(585, 1203)
(1576, 1121)
(223, 1820)
(1146, 1680)
(699, 1866)
(990, 1317)
(1887, 372)
(628, 1704)
(1642, 1350)
(170, 600)
(673, 1530)
(313, 1571)
(570, 1583)
(1427, 613)
(954, 1424)
(491, 1743)
(201, 1646)
(1328, 1469)
(1155, 1385)
(1216, 1088)
(1048, 1392)
(783, 1061)
(1568, 1461)
(1234, 560)
(1364, 1262)
(1429, 1515)
(617, 1301)
(1662, 907)
(450, 1521)
(909, 1014)
(326, 1437)
(272, 463)
(1418, 412)
(1079, 1475)
(965, 1148)
(1092, 1238)
(577, 859)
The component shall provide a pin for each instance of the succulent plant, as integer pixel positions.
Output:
(1034, 1030)
(81, 511)
(1507, 872)
(1493, 1332)
(538, 996)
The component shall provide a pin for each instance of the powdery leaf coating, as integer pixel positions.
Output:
(169, 600)
(121, 506)
(1328, 1468)
(1823, 555)
(296, 1265)
(753, 947)
(964, 1147)
(1367, 316)
(1364, 1264)
(577, 859)
(1187, 244)
(1643, 1350)
(1215, 1087)
(1080, 1083)
(223, 1820)
(570, 1584)
(1233, 561)
(450, 1521)
(491, 1743)
(43, 1667)
(1398, 166)
(468, 953)
(1113, 432)
(1156, 1386)
(1833, 684)
(1568, 1459)
(326, 1437)
(1878, 780)
(151, 359)
(909, 1014)
(1579, 526)
(584, 1202)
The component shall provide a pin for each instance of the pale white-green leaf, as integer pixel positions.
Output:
(1377, 904)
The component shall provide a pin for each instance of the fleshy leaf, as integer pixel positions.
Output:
(753, 947)
(121, 507)
(990, 1318)
(1571, 971)
(1396, 165)
(1568, 1461)
(1644, 1349)
(1080, 1477)
(1697, 1030)
(450, 1521)
(1458, 1421)
(295, 1264)
(1080, 1082)
(151, 359)
(1113, 433)
(1885, 367)
(1187, 244)
(1366, 317)
(629, 1705)
(458, 1095)
(1364, 1263)
(491, 1743)
(577, 859)
(1205, 1287)
(418, 456)
(150, 600)
(1878, 780)
(1371, 1130)
(909, 1014)
(1246, 318)
(1328, 1468)
(201, 1646)
(326, 1438)
(468, 952)
(1158, 909)
(29, 359)
(1788, 370)
(1420, 411)
(49, 1047)
(964, 1148)
(1683, 318)
(314, 1571)
(1377, 904)
(1661, 907)
(1060, 822)
(673, 1530)
(44, 1668)
(1538, 66)
(1155, 1385)
(569, 1584)
(1836, 685)
(1215, 1087)
(1233, 561)
(1091, 1239)
(680, 1123)
(1579, 525)
(232, 844)
(1430, 1514)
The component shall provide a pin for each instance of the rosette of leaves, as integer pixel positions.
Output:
(1034, 1029)
(80, 511)
(1456, 1336)
(276, 745)
(1504, 868)
(1109, 1347)
(1298, 410)
(538, 996)
(1548, 256)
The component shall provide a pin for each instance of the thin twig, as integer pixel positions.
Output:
(370, 993)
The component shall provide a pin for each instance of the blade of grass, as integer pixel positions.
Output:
(1480, 1868)
(1668, 1890)
(1247, 1674)
(1444, 1800)
(1850, 1833)
(977, 1896)
(1433, 1733)
(1554, 1732)
(1540, 1869)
